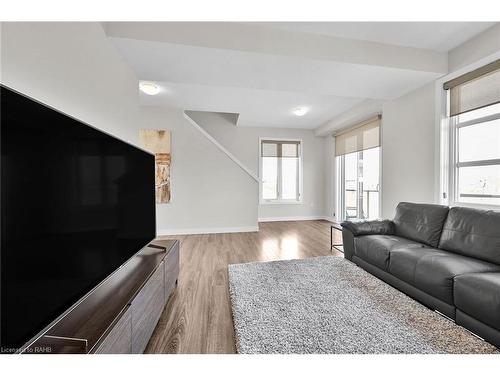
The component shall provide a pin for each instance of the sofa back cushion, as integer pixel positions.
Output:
(474, 233)
(420, 222)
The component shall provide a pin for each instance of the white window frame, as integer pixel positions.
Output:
(447, 143)
(299, 199)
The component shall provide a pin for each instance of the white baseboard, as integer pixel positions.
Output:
(290, 218)
(330, 219)
(182, 231)
(297, 218)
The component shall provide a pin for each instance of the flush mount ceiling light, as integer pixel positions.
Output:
(149, 88)
(300, 111)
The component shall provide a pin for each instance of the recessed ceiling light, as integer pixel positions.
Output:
(300, 111)
(149, 88)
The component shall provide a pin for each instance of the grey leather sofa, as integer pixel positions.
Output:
(446, 258)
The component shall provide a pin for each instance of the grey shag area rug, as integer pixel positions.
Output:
(329, 305)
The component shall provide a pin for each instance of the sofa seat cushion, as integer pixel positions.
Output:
(478, 295)
(434, 272)
(403, 262)
(375, 249)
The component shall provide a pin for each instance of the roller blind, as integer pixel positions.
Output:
(281, 149)
(362, 137)
(474, 90)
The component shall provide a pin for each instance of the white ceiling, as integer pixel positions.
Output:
(256, 107)
(264, 71)
(437, 36)
(236, 69)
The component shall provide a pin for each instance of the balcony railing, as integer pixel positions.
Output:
(364, 215)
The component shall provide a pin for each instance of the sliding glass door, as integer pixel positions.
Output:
(359, 176)
(358, 171)
(350, 186)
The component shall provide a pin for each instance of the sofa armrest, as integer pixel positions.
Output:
(362, 228)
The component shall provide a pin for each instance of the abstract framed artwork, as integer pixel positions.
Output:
(159, 143)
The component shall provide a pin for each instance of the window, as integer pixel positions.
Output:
(358, 171)
(473, 123)
(280, 166)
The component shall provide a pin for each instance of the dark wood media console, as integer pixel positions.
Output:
(118, 316)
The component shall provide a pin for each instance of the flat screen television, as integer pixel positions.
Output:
(76, 203)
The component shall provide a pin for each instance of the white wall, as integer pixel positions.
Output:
(408, 131)
(243, 142)
(74, 68)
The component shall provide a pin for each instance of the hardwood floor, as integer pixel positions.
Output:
(197, 318)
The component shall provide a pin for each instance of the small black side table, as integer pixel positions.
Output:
(336, 246)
